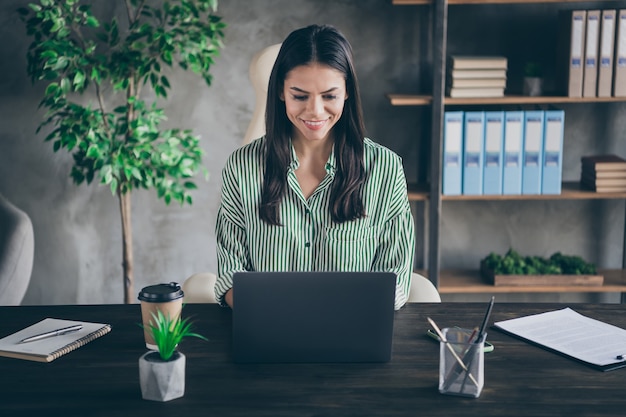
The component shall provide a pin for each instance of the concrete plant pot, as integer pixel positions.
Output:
(160, 380)
(533, 86)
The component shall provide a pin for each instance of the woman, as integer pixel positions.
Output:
(314, 194)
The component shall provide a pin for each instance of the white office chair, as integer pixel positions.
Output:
(260, 70)
(198, 288)
(17, 252)
(423, 290)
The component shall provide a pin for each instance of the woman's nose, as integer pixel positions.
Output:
(315, 105)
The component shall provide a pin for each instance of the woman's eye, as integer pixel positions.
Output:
(330, 97)
(300, 98)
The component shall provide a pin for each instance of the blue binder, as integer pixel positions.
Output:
(553, 152)
(452, 150)
(533, 152)
(513, 142)
(494, 141)
(473, 140)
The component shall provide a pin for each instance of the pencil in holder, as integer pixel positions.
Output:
(461, 363)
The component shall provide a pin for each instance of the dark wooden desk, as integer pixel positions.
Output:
(101, 378)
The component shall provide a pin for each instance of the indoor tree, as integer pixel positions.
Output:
(103, 81)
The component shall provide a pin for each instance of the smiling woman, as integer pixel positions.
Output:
(314, 96)
(314, 194)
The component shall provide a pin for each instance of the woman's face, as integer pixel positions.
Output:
(314, 96)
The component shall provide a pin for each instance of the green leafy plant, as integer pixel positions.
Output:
(533, 69)
(512, 263)
(168, 333)
(115, 136)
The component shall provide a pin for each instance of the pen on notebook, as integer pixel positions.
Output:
(57, 332)
(451, 349)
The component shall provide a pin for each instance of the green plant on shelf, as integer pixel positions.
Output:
(512, 263)
(533, 69)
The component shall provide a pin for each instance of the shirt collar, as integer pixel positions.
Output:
(331, 165)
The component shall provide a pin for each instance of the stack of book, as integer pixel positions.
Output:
(603, 173)
(476, 76)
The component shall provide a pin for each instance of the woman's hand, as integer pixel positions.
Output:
(228, 297)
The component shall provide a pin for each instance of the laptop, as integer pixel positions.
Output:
(304, 317)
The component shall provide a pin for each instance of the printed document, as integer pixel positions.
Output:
(570, 333)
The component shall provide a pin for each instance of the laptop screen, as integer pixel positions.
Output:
(313, 316)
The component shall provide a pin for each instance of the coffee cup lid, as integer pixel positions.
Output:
(161, 293)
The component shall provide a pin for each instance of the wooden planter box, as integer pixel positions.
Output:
(539, 280)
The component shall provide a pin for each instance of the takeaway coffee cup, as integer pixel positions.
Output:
(167, 298)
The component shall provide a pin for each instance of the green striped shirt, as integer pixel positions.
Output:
(308, 239)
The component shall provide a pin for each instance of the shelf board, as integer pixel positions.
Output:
(452, 2)
(411, 2)
(425, 100)
(570, 191)
(471, 282)
(409, 100)
(418, 192)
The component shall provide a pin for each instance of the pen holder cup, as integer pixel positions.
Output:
(461, 363)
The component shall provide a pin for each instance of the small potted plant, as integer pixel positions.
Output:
(162, 372)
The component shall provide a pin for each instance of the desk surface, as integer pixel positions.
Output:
(102, 378)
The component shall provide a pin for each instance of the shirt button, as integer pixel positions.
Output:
(307, 245)
(308, 212)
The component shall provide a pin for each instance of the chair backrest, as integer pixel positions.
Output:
(260, 70)
(199, 288)
(423, 290)
(17, 251)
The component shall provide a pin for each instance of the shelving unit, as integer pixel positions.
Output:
(457, 281)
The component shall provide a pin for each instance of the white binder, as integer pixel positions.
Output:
(605, 68)
(619, 73)
(492, 162)
(452, 153)
(552, 152)
(590, 74)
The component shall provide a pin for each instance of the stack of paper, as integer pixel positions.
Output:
(603, 173)
(592, 342)
(476, 76)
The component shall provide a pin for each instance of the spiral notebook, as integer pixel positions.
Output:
(49, 349)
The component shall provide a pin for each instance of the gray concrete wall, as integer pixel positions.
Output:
(77, 228)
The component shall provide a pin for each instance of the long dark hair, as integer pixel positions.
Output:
(324, 45)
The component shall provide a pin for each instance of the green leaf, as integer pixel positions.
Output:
(92, 22)
(52, 88)
(168, 332)
(79, 79)
(93, 152)
(65, 85)
(113, 186)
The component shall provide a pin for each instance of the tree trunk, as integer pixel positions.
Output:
(127, 247)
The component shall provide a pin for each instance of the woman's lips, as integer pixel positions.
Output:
(314, 125)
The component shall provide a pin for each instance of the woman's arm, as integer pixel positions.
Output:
(397, 241)
(232, 246)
